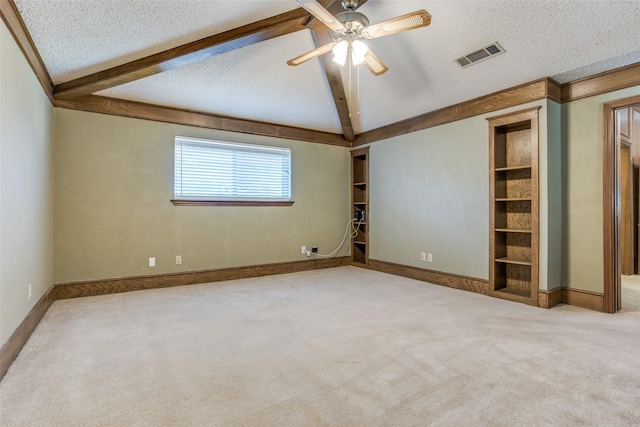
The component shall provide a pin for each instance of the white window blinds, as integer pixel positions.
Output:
(214, 170)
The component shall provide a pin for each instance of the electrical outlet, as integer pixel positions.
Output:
(152, 261)
(423, 256)
(178, 259)
(430, 258)
(314, 249)
(303, 249)
(29, 290)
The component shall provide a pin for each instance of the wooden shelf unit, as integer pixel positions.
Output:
(360, 205)
(513, 217)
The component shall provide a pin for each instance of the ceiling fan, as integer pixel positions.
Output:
(348, 28)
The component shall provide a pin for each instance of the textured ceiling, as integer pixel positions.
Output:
(561, 39)
(80, 37)
(239, 84)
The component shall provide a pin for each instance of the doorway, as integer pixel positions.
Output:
(622, 198)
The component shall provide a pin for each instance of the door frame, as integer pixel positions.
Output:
(611, 193)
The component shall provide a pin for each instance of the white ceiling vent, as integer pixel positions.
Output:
(480, 55)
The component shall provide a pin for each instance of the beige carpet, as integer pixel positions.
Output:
(338, 347)
(630, 293)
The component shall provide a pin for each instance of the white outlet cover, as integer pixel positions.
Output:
(152, 261)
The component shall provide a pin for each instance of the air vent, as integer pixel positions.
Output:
(480, 55)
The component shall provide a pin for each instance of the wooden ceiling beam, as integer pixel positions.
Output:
(322, 36)
(334, 79)
(236, 38)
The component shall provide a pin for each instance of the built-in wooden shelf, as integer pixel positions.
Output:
(513, 217)
(517, 261)
(513, 168)
(360, 205)
(514, 199)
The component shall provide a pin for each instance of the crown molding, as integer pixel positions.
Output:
(295, 20)
(139, 110)
(609, 81)
(533, 91)
(17, 28)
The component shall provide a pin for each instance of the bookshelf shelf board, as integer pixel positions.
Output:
(516, 261)
(512, 168)
(514, 199)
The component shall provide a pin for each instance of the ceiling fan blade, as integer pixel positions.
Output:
(417, 19)
(312, 54)
(317, 10)
(374, 64)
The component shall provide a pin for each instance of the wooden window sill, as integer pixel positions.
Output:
(227, 203)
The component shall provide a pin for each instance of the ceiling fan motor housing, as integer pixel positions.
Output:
(354, 22)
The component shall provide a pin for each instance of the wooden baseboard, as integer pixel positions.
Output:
(585, 299)
(17, 340)
(437, 277)
(126, 284)
(548, 299)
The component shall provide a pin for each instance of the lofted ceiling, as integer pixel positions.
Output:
(562, 39)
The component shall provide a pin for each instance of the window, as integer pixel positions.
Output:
(222, 173)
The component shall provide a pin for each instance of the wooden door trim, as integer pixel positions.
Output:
(611, 223)
(625, 204)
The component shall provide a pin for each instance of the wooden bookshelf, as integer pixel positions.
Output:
(513, 218)
(360, 205)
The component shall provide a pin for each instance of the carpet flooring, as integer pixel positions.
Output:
(630, 293)
(336, 347)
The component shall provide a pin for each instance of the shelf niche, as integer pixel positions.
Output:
(360, 205)
(513, 218)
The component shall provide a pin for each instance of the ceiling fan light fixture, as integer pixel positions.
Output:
(348, 28)
(340, 52)
(358, 50)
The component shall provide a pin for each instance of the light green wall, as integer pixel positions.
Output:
(551, 189)
(114, 182)
(430, 193)
(26, 187)
(583, 136)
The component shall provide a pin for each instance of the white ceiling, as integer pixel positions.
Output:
(561, 39)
